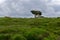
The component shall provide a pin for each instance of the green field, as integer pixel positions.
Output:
(29, 28)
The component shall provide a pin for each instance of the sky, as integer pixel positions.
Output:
(22, 8)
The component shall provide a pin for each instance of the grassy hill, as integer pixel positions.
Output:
(29, 28)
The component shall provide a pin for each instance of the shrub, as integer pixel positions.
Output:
(4, 37)
(36, 34)
(18, 37)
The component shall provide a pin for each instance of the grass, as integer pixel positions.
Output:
(29, 28)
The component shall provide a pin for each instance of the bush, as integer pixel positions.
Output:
(18, 37)
(5, 37)
(36, 34)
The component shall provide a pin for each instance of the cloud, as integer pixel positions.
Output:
(55, 2)
(2, 1)
(22, 8)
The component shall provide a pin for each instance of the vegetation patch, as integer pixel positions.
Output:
(29, 28)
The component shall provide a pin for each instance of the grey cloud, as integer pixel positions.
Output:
(56, 8)
(22, 8)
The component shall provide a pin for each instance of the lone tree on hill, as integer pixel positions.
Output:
(36, 13)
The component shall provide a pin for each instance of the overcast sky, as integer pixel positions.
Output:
(22, 8)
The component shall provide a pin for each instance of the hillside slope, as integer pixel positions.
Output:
(29, 28)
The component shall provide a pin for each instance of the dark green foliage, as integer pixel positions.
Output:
(36, 34)
(18, 37)
(36, 12)
(4, 37)
(29, 28)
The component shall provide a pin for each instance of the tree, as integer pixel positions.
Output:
(36, 13)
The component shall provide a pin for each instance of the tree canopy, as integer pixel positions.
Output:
(36, 12)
